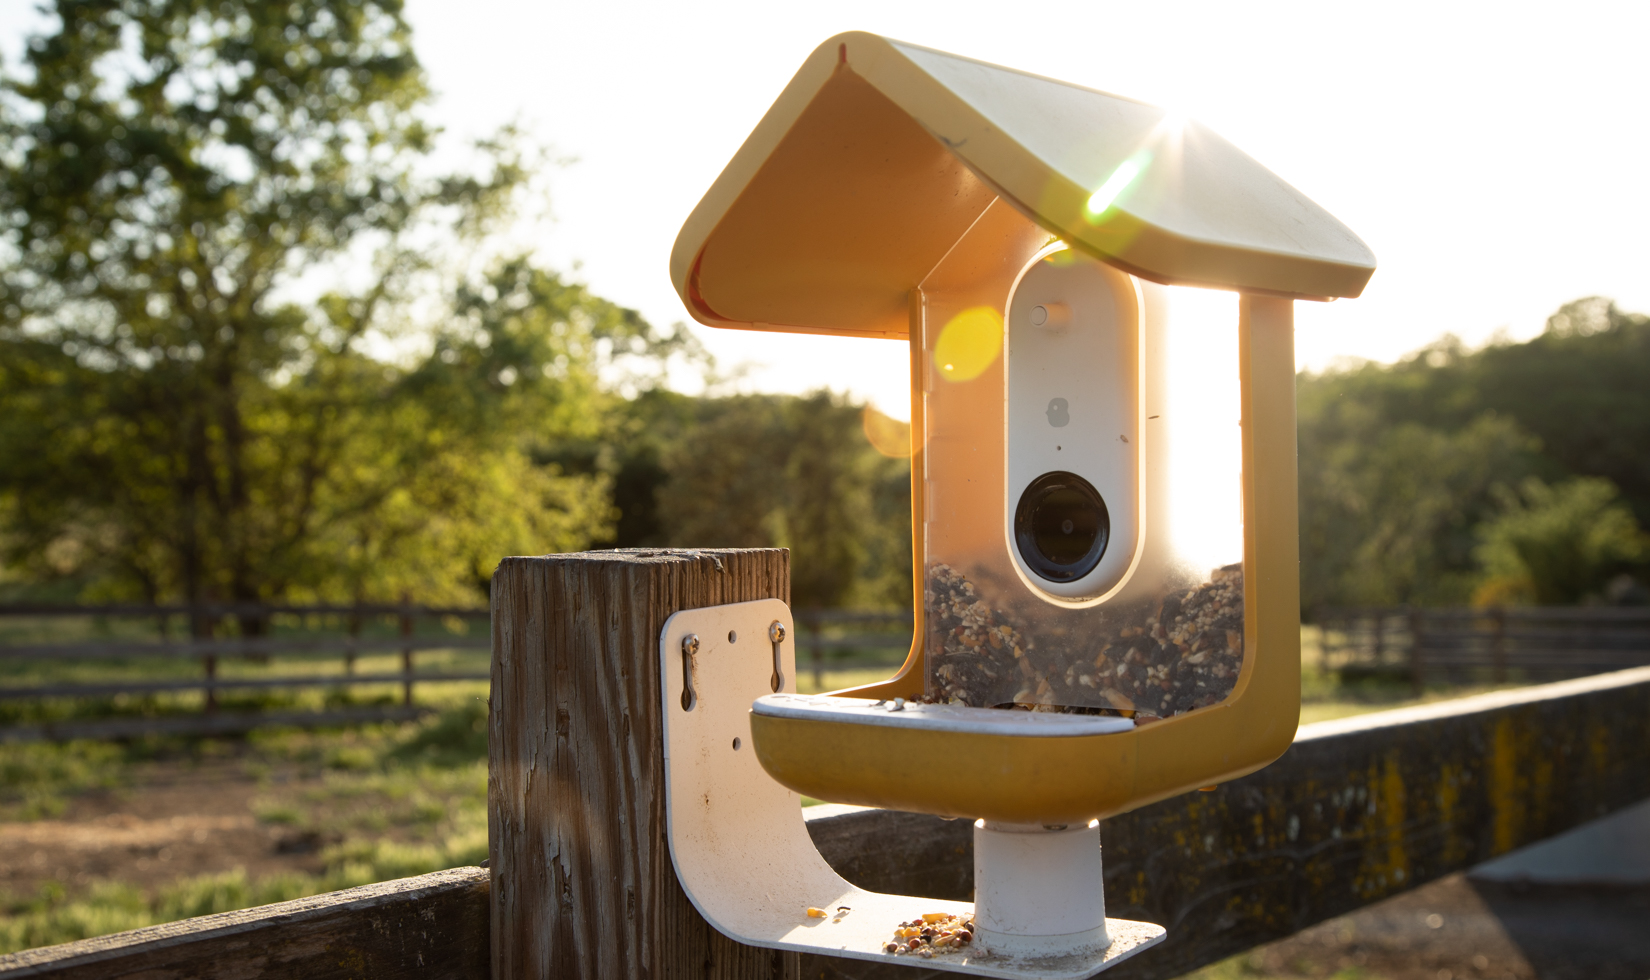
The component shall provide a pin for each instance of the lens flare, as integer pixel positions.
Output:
(888, 436)
(1102, 200)
(969, 343)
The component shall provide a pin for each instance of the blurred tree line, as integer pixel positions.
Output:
(256, 345)
(1517, 473)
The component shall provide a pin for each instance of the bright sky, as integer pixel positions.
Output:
(1492, 155)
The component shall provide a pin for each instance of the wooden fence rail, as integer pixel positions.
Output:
(250, 637)
(580, 882)
(1495, 645)
(892, 640)
(1354, 812)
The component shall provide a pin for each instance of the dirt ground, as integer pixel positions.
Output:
(183, 822)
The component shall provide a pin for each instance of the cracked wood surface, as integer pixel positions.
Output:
(583, 885)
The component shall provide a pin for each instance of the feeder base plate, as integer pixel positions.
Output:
(738, 840)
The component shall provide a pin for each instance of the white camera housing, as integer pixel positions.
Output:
(1074, 385)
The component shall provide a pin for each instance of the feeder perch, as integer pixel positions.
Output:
(1103, 493)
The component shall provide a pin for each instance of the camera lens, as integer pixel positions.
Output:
(1061, 526)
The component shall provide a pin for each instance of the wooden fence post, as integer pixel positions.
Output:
(1498, 644)
(582, 881)
(1417, 647)
(406, 653)
(354, 635)
(816, 649)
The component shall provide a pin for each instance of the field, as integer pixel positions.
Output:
(97, 837)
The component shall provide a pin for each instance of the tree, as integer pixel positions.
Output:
(1388, 513)
(1558, 545)
(791, 472)
(221, 248)
(1580, 388)
(1401, 463)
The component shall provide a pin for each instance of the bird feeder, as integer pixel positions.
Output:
(1098, 300)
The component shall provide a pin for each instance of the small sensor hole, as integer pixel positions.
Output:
(736, 745)
(733, 637)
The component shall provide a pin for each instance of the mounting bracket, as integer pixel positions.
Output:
(737, 838)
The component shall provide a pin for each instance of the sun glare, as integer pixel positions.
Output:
(1102, 200)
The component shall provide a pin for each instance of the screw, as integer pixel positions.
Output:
(776, 635)
(690, 647)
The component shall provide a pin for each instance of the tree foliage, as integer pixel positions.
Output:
(1558, 545)
(1406, 467)
(762, 471)
(250, 344)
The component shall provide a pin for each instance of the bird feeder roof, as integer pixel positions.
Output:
(879, 155)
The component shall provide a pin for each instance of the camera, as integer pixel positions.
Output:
(1074, 379)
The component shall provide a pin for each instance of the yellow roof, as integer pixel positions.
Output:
(879, 155)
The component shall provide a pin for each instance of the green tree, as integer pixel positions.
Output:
(1580, 387)
(791, 472)
(1388, 512)
(221, 244)
(1400, 463)
(1560, 544)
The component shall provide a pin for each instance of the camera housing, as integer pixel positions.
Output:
(1074, 379)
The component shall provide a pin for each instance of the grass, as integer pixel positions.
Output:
(382, 802)
(386, 801)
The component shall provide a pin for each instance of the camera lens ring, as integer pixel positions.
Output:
(1061, 526)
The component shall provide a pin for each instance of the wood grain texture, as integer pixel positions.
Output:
(583, 884)
(433, 927)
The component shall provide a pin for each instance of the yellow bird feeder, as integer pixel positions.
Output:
(1103, 490)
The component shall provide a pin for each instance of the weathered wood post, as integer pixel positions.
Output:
(582, 881)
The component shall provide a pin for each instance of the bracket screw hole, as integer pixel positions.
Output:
(733, 637)
(736, 745)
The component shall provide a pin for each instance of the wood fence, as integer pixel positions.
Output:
(1484, 645)
(336, 632)
(580, 883)
(870, 631)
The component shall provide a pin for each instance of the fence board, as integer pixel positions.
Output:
(221, 723)
(258, 609)
(210, 655)
(433, 927)
(227, 683)
(261, 646)
(1356, 811)
(1485, 644)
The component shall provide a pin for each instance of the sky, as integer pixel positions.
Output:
(1492, 155)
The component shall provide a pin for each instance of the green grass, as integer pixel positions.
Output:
(386, 801)
(37, 778)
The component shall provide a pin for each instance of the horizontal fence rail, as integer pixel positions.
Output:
(214, 637)
(1358, 810)
(248, 609)
(884, 634)
(1495, 645)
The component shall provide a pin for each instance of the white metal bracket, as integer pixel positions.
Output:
(738, 840)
